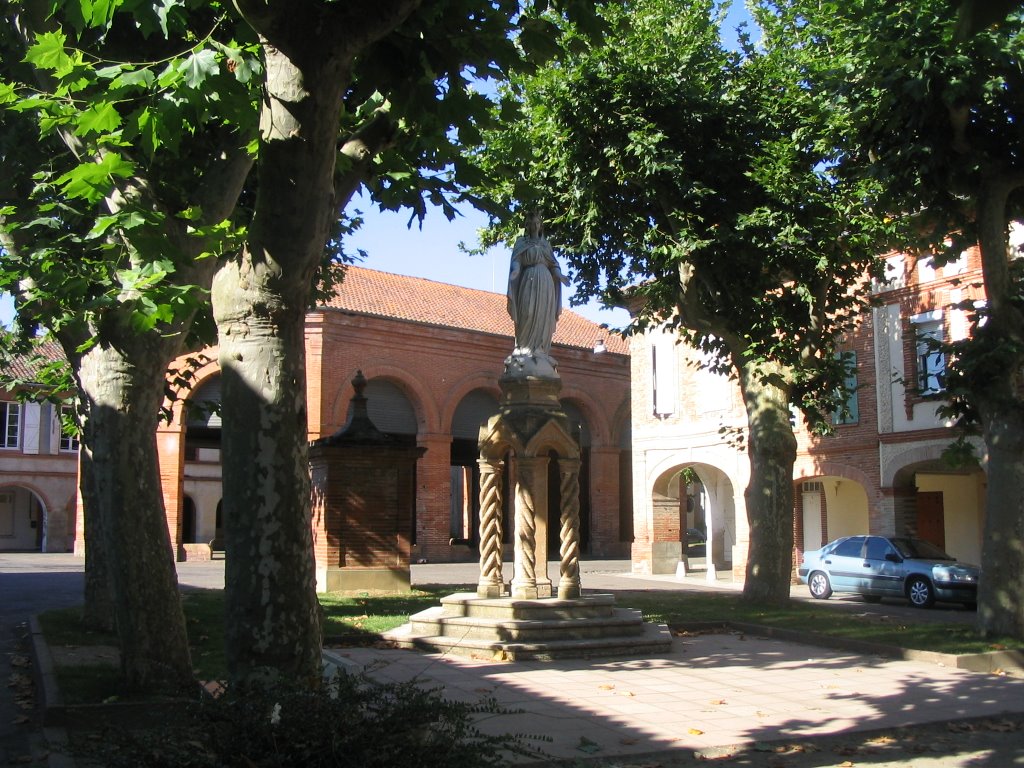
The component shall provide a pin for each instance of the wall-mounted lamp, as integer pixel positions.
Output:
(599, 347)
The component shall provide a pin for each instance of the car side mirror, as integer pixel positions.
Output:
(892, 557)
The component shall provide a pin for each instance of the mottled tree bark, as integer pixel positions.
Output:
(260, 299)
(98, 608)
(123, 386)
(771, 447)
(995, 385)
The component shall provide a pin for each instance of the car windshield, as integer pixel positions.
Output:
(919, 549)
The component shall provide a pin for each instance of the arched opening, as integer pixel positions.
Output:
(580, 430)
(472, 412)
(188, 520)
(217, 545)
(203, 423)
(22, 519)
(393, 413)
(830, 507)
(694, 517)
(943, 506)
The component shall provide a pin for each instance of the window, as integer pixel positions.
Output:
(925, 269)
(10, 424)
(931, 360)
(878, 548)
(852, 547)
(663, 356)
(68, 429)
(847, 413)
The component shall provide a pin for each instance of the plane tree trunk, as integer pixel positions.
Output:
(307, 173)
(771, 447)
(123, 387)
(995, 387)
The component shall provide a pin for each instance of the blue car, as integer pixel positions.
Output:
(879, 566)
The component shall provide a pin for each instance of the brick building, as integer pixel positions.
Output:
(880, 472)
(38, 465)
(432, 354)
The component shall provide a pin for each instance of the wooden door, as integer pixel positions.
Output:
(931, 519)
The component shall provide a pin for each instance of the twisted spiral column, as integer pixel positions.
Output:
(569, 534)
(524, 582)
(490, 584)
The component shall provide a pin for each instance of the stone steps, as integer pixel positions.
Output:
(654, 639)
(513, 629)
(469, 605)
(434, 621)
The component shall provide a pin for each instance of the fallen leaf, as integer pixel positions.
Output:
(630, 694)
(695, 732)
(588, 746)
(718, 701)
(885, 739)
(606, 687)
(846, 764)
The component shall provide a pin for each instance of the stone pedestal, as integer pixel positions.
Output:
(523, 620)
(531, 427)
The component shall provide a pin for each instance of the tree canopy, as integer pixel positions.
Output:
(932, 98)
(697, 184)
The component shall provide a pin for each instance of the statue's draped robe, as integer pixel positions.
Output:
(534, 295)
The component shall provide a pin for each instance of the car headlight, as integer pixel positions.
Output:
(942, 573)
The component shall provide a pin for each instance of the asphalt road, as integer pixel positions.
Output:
(28, 585)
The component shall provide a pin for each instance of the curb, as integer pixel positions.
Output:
(51, 702)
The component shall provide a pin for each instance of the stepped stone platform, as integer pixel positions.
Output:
(510, 629)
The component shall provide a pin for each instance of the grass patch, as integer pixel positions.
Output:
(348, 614)
(683, 607)
(359, 617)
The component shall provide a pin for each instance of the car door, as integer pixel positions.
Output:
(882, 572)
(845, 564)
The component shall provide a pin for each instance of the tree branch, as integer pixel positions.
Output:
(302, 28)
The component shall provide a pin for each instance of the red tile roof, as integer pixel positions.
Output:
(25, 367)
(417, 300)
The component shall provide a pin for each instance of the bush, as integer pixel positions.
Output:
(350, 721)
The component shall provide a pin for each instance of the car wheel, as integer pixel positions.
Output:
(872, 598)
(819, 586)
(920, 592)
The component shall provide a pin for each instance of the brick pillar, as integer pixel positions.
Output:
(604, 503)
(433, 499)
(78, 536)
(170, 446)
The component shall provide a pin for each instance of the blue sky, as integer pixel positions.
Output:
(433, 251)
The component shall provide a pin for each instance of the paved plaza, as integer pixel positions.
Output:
(711, 690)
(700, 700)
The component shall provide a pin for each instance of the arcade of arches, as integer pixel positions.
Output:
(445, 518)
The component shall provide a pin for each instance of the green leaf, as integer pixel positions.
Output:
(48, 52)
(99, 13)
(199, 66)
(93, 181)
(138, 78)
(99, 118)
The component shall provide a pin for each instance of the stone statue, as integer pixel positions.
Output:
(534, 299)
